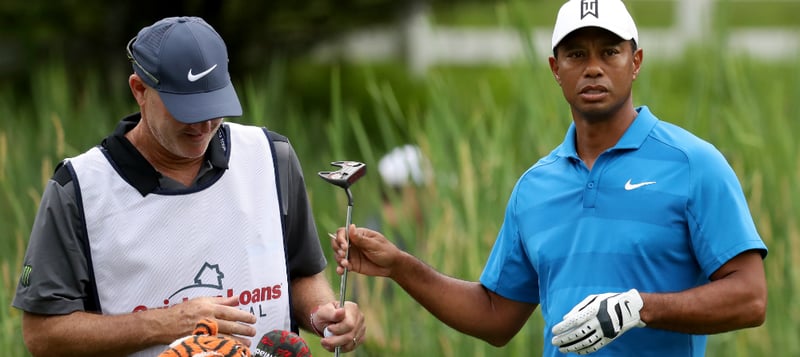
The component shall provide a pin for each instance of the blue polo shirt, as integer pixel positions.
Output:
(659, 212)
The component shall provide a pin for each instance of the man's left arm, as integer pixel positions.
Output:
(736, 295)
(735, 298)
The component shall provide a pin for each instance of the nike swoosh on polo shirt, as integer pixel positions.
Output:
(632, 186)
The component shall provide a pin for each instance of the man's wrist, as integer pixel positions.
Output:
(404, 266)
(311, 322)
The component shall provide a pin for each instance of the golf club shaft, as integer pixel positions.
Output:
(343, 282)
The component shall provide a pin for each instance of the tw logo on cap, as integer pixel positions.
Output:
(589, 7)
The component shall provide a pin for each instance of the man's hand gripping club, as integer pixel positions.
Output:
(598, 320)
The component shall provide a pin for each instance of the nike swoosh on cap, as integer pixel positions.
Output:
(194, 77)
(632, 186)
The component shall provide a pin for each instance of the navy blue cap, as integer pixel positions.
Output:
(186, 61)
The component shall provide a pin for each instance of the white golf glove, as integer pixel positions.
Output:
(596, 321)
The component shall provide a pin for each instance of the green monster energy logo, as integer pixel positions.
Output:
(25, 277)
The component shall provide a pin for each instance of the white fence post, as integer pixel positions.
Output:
(693, 19)
(416, 34)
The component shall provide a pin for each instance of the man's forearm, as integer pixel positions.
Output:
(735, 298)
(308, 293)
(466, 306)
(700, 311)
(88, 334)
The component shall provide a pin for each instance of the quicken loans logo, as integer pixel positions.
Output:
(210, 277)
(25, 277)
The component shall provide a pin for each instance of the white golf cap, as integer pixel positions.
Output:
(607, 14)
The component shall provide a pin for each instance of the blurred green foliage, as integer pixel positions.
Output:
(481, 128)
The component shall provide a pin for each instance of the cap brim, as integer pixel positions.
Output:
(621, 33)
(198, 107)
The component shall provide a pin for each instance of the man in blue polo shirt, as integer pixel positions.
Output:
(633, 235)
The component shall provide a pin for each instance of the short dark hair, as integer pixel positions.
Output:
(634, 47)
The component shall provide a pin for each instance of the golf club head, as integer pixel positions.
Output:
(347, 175)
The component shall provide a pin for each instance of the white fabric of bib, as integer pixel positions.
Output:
(159, 250)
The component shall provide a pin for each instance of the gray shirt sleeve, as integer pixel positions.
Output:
(304, 251)
(56, 274)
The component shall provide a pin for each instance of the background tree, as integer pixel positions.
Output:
(92, 33)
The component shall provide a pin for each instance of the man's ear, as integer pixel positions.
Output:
(554, 68)
(637, 62)
(137, 88)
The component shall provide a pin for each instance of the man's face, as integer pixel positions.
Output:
(595, 69)
(183, 141)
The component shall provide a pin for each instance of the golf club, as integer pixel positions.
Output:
(348, 174)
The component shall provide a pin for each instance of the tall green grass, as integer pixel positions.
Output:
(481, 128)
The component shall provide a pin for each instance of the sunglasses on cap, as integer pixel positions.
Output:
(133, 60)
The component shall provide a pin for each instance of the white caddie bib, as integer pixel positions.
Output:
(159, 250)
